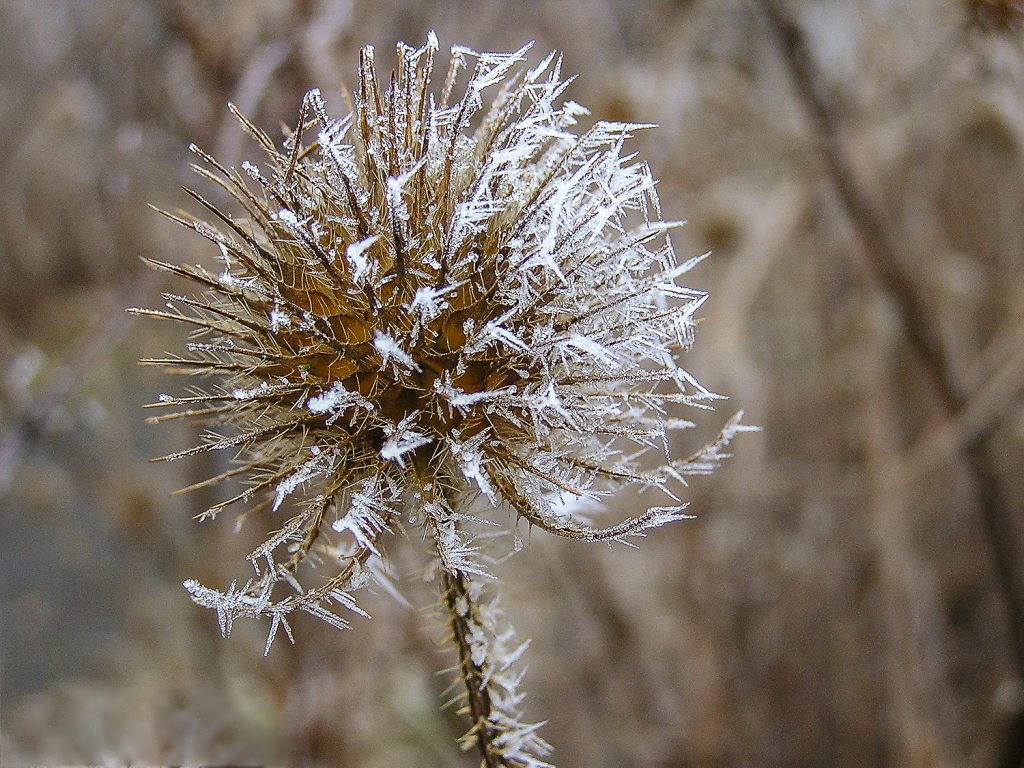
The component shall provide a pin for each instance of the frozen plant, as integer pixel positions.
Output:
(441, 310)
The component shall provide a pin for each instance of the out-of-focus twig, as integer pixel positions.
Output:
(878, 256)
(880, 261)
(33, 420)
(896, 571)
(771, 228)
(980, 414)
(925, 78)
(28, 426)
(213, 58)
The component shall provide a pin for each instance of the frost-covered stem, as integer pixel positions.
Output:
(463, 612)
(485, 667)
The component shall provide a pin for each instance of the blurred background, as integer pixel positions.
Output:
(851, 591)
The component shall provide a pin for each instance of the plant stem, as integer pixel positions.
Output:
(463, 613)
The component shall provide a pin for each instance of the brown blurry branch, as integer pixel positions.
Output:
(925, 77)
(879, 254)
(896, 570)
(249, 89)
(979, 416)
(214, 59)
(880, 261)
(31, 423)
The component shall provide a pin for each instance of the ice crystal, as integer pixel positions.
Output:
(430, 299)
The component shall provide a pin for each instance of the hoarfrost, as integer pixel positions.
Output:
(356, 255)
(320, 463)
(389, 350)
(402, 439)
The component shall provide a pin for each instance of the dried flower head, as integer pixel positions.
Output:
(431, 309)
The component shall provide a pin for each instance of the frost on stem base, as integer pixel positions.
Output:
(487, 665)
(432, 297)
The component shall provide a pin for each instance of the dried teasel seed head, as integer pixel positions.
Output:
(435, 297)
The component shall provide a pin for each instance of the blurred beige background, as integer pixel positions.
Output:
(849, 594)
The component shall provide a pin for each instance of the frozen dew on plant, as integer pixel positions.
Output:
(448, 308)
